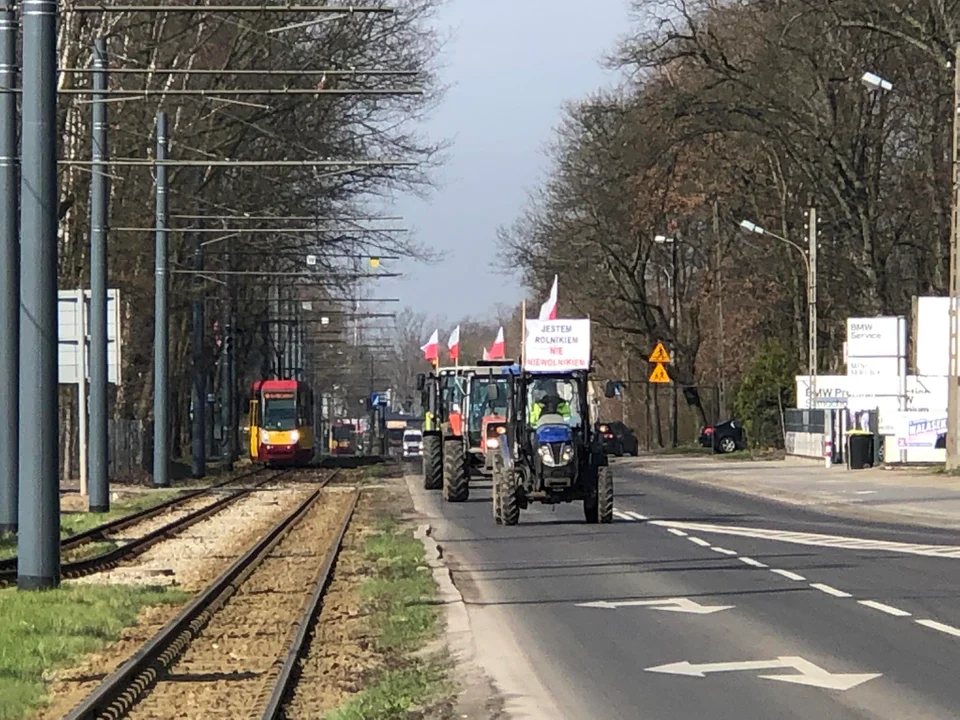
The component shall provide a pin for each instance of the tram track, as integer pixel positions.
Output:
(138, 545)
(249, 627)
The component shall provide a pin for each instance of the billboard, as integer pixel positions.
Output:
(70, 333)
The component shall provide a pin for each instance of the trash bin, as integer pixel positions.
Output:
(860, 450)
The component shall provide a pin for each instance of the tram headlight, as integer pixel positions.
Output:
(295, 436)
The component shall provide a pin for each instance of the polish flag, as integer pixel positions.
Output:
(498, 350)
(453, 344)
(486, 355)
(431, 351)
(548, 311)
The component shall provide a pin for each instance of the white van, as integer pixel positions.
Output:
(412, 443)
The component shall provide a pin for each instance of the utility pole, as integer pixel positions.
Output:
(675, 321)
(38, 540)
(199, 390)
(9, 274)
(721, 349)
(812, 303)
(161, 425)
(953, 393)
(98, 459)
(226, 388)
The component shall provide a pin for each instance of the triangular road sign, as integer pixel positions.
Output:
(659, 354)
(659, 374)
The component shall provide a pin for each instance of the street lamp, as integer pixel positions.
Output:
(875, 82)
(674, 328)
(810, 262)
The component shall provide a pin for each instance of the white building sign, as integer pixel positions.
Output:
(933, 335)
(69, 336)
(876, 346)
(557, 345)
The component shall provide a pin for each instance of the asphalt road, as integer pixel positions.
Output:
(777, 611)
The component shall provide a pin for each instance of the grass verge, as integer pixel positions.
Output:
(396, 594)
(44, 631)
(76, 522)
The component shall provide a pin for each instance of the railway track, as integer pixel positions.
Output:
(248, 627)
(138, 545)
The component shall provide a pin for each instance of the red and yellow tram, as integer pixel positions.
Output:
(281, 422)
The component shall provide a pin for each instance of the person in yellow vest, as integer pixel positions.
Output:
(549, 402)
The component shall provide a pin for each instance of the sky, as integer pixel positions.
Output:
(510, 64)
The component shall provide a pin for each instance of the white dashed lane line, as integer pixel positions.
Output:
(787, 574)
(678, 533)
(723, 551)
(933, 624)
(754, 563)
(622, 516)
(698, 541)
(637, 516)
(830, 590)
(888, 609)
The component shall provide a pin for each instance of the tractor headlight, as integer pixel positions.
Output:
(492, 443)
(546, 455)
(566, 455)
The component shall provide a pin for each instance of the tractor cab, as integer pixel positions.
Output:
(554, 424)
(487, 406)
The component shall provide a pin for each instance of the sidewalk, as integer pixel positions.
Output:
(913, 495)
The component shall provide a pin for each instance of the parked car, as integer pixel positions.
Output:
(725, 437)
(412, 444)
(618, 439)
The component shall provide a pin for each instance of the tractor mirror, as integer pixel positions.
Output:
(421, 382)
(493, 392)
(611, 389)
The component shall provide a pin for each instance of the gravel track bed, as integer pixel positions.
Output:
(340, 653)
(229, 671)
(194, 557)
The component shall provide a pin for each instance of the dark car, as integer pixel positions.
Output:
(618, 439)
(725, 437)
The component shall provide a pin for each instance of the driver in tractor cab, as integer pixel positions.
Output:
(547, 401)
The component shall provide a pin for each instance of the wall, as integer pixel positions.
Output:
(804, 444)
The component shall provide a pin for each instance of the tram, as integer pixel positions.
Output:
(281, 423)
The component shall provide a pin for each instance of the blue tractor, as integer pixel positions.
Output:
(551, 452)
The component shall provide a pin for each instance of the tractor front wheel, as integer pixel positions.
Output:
(506, 490)
(497, 474)
(456, 481)
(432, 462)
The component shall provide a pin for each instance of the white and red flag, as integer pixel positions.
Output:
(498, 351)
(548, 311)
(431, 351)
(453, 344)
(486, 355)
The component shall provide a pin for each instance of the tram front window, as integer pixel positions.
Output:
(280, 414)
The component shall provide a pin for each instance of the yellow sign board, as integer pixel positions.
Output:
(660, 354)
(659, 374)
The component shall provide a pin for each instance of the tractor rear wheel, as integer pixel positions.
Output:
(456, 481)
(432, 462)
(506, 491)
(605, 495)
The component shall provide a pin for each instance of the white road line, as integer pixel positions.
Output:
(698, 541)
(636, 516)
(888, 609)
(832, 541)
(939, 626)
(723, 551)
(830, 590)
(751, 561)
(678, 533)
(622, 516)
(789, 575)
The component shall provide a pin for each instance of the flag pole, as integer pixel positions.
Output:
(523, 329)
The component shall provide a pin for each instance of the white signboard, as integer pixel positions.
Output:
(876, 337)
(873, 366)
(933, 335)
(69, 336)
(557, 345)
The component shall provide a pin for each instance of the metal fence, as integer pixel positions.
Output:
(127, 446)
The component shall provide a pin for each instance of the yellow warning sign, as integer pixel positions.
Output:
(659, 374)
(660, 354)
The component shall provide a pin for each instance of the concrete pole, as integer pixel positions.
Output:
(675, 321)
(953, 390)
(226, 394)
(38, 542)
(198, 433)
(99, 469)
(9, 274)
(234, 420)
(161, 352)
(812, 303)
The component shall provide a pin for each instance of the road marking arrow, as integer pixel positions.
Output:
(810, 674)
(681, 605)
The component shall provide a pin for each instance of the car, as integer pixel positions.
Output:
(412, 444)
(618, 439)
(724, 438)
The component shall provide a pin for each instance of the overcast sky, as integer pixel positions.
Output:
(512, 63)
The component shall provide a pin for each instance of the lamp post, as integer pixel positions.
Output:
(810, 262)
(675, 329)
(875, 82)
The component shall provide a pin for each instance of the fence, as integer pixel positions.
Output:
(128, 448)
